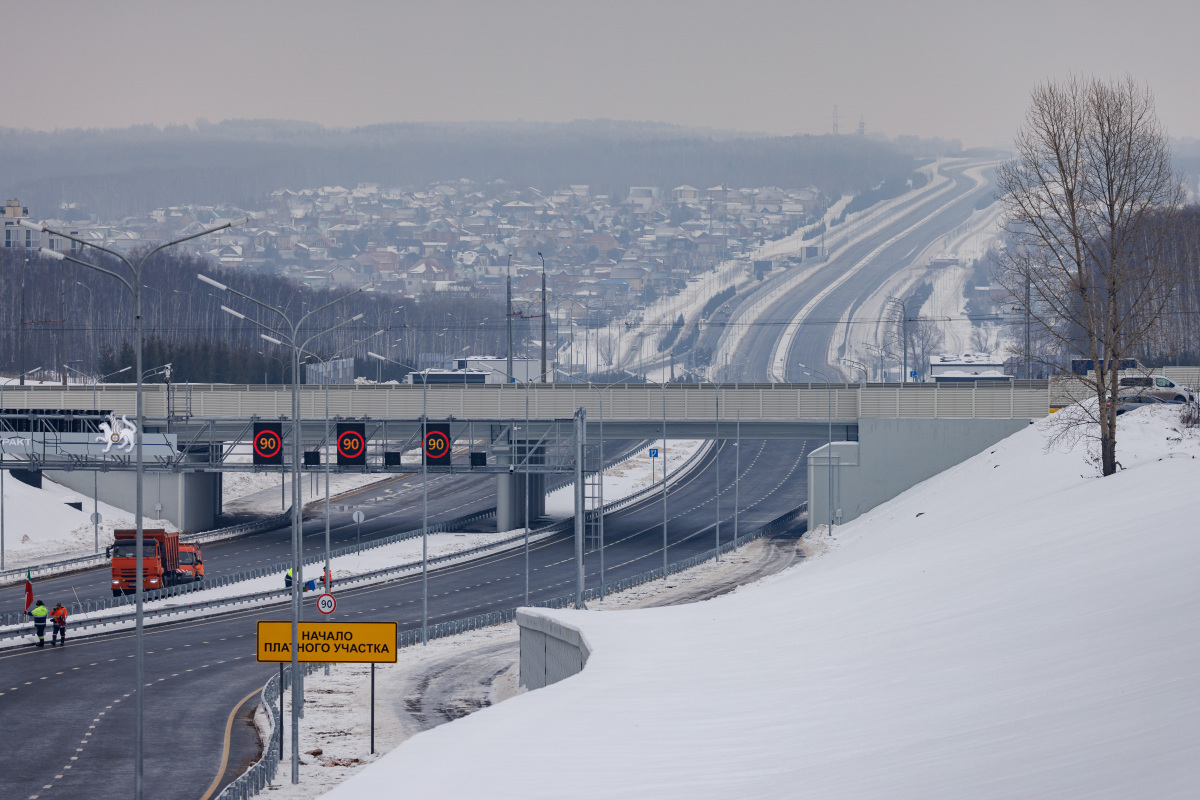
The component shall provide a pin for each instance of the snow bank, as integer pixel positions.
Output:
(1014, 627)
(39, 524)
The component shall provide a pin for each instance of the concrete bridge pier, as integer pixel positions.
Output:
(510, 486)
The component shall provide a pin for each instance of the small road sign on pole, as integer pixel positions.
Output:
(654, 452)
(97, 518)
(326, 603)
(358, 517)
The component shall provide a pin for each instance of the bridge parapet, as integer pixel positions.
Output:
(696, 402)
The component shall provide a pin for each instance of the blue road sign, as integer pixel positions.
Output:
(654, 452)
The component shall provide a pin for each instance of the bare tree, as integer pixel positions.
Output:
(1090, 197)
(925, 338)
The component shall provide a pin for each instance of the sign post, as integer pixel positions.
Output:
(358, 518)
(326, 604)
(339, 642)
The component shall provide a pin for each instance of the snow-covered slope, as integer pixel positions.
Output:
(1014, 627)
(38, 523)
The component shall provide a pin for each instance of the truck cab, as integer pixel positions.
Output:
(160, 560)
(191, 562)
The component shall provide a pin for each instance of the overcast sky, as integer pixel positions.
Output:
(952, 69)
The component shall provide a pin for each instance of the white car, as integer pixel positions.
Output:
(1156, 386)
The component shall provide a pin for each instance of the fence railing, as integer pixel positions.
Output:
(262, 772)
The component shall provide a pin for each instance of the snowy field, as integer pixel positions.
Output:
(39, 525)
(1014, 627)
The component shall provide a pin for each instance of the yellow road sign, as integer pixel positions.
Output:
(362, 642)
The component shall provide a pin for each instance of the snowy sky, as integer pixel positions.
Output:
(927, 67)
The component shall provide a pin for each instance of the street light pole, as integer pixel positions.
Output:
(135, 288)
(290, 334)
(424, 496)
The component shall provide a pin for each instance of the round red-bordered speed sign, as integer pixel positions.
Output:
(351, 444)
(437, 444)
(267, 444)
(326, 603)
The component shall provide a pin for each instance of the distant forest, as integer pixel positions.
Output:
(114, 173)
(85, 319)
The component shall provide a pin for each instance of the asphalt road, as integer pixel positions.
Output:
(811, 343)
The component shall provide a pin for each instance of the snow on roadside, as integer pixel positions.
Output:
(39, 525)
(1013, 627)
(259, 492)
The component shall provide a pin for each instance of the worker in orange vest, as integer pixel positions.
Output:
(59, 616)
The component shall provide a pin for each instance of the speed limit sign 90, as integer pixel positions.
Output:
(326, 604)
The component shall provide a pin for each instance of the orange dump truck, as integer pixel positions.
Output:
(160, 560)
(191, 562)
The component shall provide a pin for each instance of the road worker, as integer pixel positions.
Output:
(39, 614)
(287, 579)
(59, 616)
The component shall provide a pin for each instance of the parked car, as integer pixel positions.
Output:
(1133, 402)
(1157, 386)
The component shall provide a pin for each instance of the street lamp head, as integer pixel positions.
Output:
(231, 312)
(356, 317)
(28, 223)
(270, 339)
(211, 282)
(53, 255)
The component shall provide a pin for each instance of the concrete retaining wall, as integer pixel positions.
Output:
(891, 456)
(550, 651)
(188, 499)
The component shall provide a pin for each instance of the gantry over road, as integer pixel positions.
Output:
(628, 410)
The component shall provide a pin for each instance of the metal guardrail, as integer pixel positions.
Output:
(262, 772)
(16, 575)
(89, 606)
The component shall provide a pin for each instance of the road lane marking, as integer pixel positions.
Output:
(225, 748)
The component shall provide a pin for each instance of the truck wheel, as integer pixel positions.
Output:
(1180, 398)
(117, 592)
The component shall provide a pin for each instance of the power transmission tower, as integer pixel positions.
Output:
(835, 121)
(862, 126)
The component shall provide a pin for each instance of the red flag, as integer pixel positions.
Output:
(28, 591)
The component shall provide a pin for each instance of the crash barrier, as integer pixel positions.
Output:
(88, 606)
(9, 577)
(263, 771)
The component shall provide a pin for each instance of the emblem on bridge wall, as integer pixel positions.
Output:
(119, 432)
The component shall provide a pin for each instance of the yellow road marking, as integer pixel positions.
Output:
(212, 787)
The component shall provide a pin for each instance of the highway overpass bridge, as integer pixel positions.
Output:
(890, 433)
